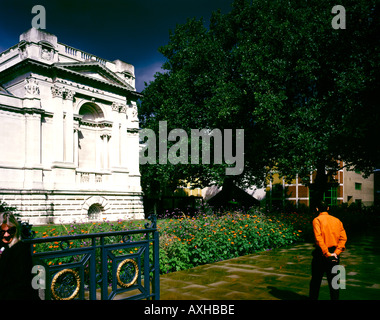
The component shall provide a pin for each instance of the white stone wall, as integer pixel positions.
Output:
(55, 208)
(69, 129)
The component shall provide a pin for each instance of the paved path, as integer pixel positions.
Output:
(282, 273)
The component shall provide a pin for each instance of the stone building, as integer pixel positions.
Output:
(69, 133)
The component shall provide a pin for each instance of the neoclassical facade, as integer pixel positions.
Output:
(69, 133)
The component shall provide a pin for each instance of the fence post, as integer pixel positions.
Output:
(93, 271)
(104, 291)
(156, 258)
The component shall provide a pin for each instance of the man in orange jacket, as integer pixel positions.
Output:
(330, 240)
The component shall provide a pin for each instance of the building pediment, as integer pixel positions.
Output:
(94, 70)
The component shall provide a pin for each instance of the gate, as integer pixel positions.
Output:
(98, 265)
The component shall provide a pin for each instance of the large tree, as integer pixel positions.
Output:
(303, 91)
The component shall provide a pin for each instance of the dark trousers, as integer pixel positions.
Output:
(319, 266)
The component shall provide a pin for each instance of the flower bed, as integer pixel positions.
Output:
(189, 242)
(186, 242)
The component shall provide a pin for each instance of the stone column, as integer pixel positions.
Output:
(69, 126)
(123, 138)
(134, 148)
(76, 147)
(57, 93)
(98, 151)
(115, 140)
(32, 139)
(32, 123)
(105, 137)
(33, 168)
(133, 138)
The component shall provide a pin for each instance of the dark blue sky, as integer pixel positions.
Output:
(129, 30)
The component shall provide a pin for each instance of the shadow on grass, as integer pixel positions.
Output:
(286, 294)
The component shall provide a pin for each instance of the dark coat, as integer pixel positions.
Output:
(16, 273)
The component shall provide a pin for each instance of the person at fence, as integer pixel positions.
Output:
(15, 262)
(330, 240)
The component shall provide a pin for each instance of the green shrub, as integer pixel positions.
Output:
(208, 238)
(186, 242)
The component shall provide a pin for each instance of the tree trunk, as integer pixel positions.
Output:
(319, 186)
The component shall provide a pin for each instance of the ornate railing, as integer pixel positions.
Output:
(83, 55)
(98, 265)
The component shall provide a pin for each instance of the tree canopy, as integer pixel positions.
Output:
(303, 91)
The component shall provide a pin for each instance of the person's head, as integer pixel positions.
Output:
(323, 207)
(10, 229)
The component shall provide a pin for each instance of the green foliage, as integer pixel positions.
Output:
(304, 93)
(189, 242)
(4, 207)
(357, 219)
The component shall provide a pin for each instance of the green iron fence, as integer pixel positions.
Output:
(118, 264)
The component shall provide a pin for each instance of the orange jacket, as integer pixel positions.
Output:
(329, 232)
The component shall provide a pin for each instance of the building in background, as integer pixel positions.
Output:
(345, 187)
(69, 133)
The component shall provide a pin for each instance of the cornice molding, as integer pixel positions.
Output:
(58, 70)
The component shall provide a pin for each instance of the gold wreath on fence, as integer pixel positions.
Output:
(119, 281)
(54, 283)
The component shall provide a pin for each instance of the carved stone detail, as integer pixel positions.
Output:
(31, 87)
(47, 53)
(23, 53)
(132, 112)
(123, 108)
(69, 94)
(57, 92)
(115, 106)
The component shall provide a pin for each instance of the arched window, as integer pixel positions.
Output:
(95, 211)
(90, 111)
(88, 137)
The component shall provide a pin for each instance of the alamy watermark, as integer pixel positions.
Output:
(178, 153)
(39, 280)
(339, 280)
(39, 20)
(339, 21)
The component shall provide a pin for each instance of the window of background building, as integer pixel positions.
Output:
(330, 196)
